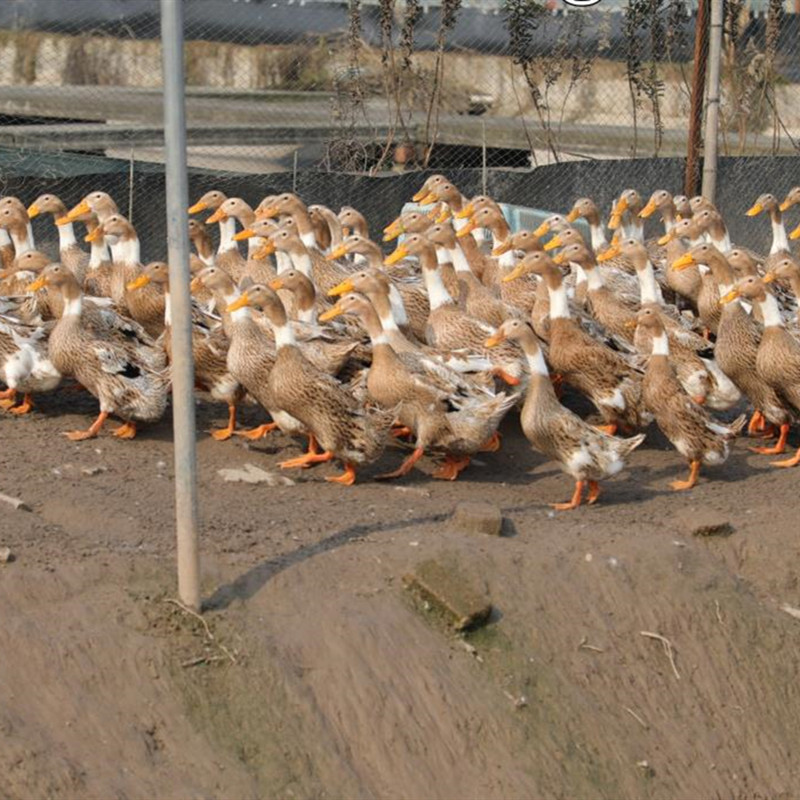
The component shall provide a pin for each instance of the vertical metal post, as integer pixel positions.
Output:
(177, 197)
(692, 181)
(712, 109)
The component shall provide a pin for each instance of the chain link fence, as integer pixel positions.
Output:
(294, 91)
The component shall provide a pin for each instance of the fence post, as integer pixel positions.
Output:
(177, 201)
(712, 110)
(692, 181)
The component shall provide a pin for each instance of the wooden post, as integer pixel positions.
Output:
(712, 110)
(692, 181)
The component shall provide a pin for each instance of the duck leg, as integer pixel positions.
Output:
(574, 502)
(257, 433)
(8, 398)
(451, 468)
(492, 444)
(778, 447)
(789, 462)
(400, 431)
(126, 431)
(404, 468)
(225, 433)
(610, 430)
(347, 478)
(307, 459)
(89, 433)
(499, 372)
(756, 423)
(24, 407)
(594, 492)
(694, 471)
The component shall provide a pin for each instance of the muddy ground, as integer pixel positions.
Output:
(320, 676)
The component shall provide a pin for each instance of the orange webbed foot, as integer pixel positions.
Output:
(789, 462)
(126, 431)
(574, 502)
(682, 486)
(594, 492)
(306, 460)
(24, 407)
(451, 468)
(404, 468)
(257, 433)
(492, 444)
(347, 478)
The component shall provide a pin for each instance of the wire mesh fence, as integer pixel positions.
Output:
(384, 87)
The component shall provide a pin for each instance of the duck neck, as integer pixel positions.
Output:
(73, 302)
(66, 236)
(660, 344)
(459, 260)
(722, 272)
(128, 249)
(301, 260)
(372, 255)
(534, 356)
(304, 297)
(780, 241)
(305, 228)
(649, 290)
(438, 295)
(384, 309)
(167, 308)
(205, 252)
(634, 227)
(718, 234)
(372, 325)
(22, 239)
(593, 277)
(771, 311)
(284, 262)
(227, 230)
(559, 305)
(597, 235)
(284, 335)
(668, 216)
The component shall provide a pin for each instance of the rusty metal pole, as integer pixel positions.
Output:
(692, 181)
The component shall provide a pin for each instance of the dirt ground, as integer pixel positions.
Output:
(319, 676)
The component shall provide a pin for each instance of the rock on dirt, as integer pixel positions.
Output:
(253, 474)
(704, 522)
(477, 517)
(6, 555)
(461, 597)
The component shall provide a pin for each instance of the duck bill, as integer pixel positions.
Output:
(559, 259)
(276, 284)
(427, 199)
(467, 229)
(330, 314)
(466, 212)
(39, 283)
(553, 243)
(339, 252)
(247, 233)
(795, 234)
(684, 262)
(392, 234)
(94, 235)
(417, 196)
(573, 215)
(267, 250)
(243, 301)
(196, 285)
(342, 288)
(770, 277)
(631, 324)
(648, 210)
(139, 283)
(503, 247)
(616, 215)
(785, 205)
(198, 207)
(607, 255)
(495, 339)
(65, 220)
(398, 255)
(218, 216)
(543, 229)
(755, 210)
(433, 214)
(665, 239)
(267, 213)
(78, 210)
(730, 297)
(444, 216)
(33, 210)
(515, 273)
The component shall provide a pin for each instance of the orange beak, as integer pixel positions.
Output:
(559, 259)
(267, 213)
(398, 255)
(495, 339)
(247, 233)
(39, 283)
(607, 255)
(755, 210)
(427, 199)
(515, 273)
(218, 216)
(139, 283)
(196, 285)
(331, 313)
(197, 207)
(65, 220)
(339, 252)
(667, 237)
(730, 297)
(684, 262)
(94, 235)
(648, 209)
(503, 247)
(33, 210)
(78, 211)
(573, 215)
(266, 250)
(467, 211)
(795, 234)
(467, 229)
(553, 243)
(423, 192)
(770, 277)
(543, 229)
(241, 302)
(616, 216)
(444, 216)
(276, 284)
(342, 288)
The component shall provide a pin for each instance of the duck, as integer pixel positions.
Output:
(209, 349)
(228, 256)
(352, 222)
(449, 327)
(70, 253)
(582, 451)
(97, 204)
(736, 348)
(123, 384)
(792, 199)
(200, 238)
(683, 209)
(522, 294)
(769, 203)
(586, 208)
(489, 217)
(99, 268)
(25, 366)
(603, 375)
(409, 302)
(692, 431)
(778, 360)
(146, 306)
(460, 423)
(316, 400)
(663, 202)
(626, 218)
(787, 269)
(256, 268)
(14, 219)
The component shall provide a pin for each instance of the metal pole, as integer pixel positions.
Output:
(712, 109)
(692, 182)
(183, 422)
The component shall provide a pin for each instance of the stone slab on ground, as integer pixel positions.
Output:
(477, 517)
